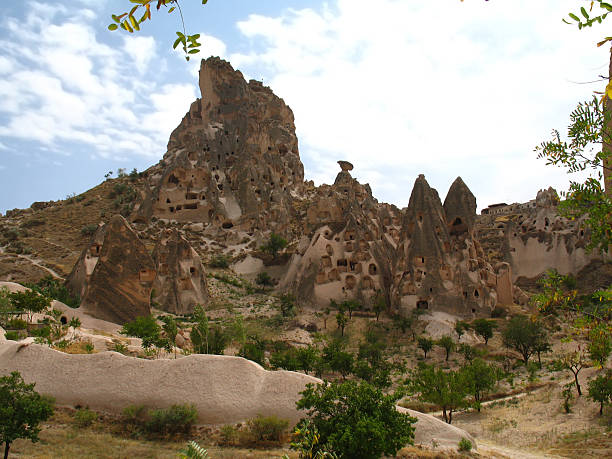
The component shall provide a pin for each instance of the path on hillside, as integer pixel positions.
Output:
(33, 261)
(495, 451)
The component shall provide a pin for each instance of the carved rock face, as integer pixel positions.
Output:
(232, 161)
(460, 208)
(114, 275)
(181, 279)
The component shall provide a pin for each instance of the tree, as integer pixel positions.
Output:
(405, 323)
(484, 328)
(254, 349)
(469, 352)
(307, 358)
(379, 303)
(446, 389)
(30, 302)
(336, 359)
(342, 321)
(461, 327)
(524, 336)
(130, 22)
(357, 420)
(480, 379)
(22, 409)
(448, 344)
(274, 244)
(600, 345)
(425, 344)
(600, 390)
(287, 305)
(149, 331)
(574, 362)
(171, 330)
(199, 331)
(350, 306)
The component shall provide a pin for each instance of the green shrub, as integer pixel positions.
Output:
(43, 332)
(12, 335)
(178, 419)
(465, 445)
(32, 223)
(75, 322)
(134, 414)
(84, 417)
(229, 435)
(219, 261)
(267, 429)
(17, 324)
(120, 347)
(55, 289)
(89, 230)
(498, 312)
(264, 278)
(192, 450)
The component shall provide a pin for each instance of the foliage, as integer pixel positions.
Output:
(254, 349)
(29, 301)
(287, 305)
(171, 330)
(425, 344)
(89, 230)
(199, 331)
(193, 451)
(178, 419)
(356, 420)
(84, 417)
(342, 321)
(480, 378)
(600, 389)
(498, 312)
(147, 329)
(12, 335)
(336, 359)
(55, 289)
(574, 362)
(447, 389)
(525, 336)
(600, 345)
(22, 409)
(307, 358)
(263, 278)
(379, 303)
(75, 322)
(588, 131)
(219, 261)
(268, 428)
(484, 328)
(567, 397)
(286, 360)
(461, 327)
(306, 439)
(448, 344)
(465, 445)
(131, 23)
(5, 304)
(274, 244)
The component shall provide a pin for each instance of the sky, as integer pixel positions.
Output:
(397, 87)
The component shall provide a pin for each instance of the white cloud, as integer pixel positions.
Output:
(62, 84)
(401, 88)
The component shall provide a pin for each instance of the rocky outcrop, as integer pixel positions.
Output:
(114, 274)
(233, 161)
(181, 278)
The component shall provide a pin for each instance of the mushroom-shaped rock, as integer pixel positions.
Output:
(114, 274)
(345, 166)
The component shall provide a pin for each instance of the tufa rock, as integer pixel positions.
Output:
(181, 279)
(114, 275)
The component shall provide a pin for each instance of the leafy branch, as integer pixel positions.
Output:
(130, 22)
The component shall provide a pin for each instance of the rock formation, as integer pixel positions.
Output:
(181, 279)
(233, 160)
(114, 274)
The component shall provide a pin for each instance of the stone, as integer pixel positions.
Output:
(180, 284)
(114, 274)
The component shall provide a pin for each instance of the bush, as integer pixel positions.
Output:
(44, 332)
(229, 435)
(465, 445)
(178, 419)
(89, 230)
(219, 261)
(84, 417)
(75, 322)
(33, 223)
(267, 429)
(55, 289)
(12, 335)
(498, 312)
(17, 324)
(264, 278)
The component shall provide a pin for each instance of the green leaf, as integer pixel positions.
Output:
(171, 9)
(574, 17)
(193, 51)
(112, 27)
(176, 43)
(584, 12)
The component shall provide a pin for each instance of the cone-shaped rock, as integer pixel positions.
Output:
(460, 208)
(114, 274)
(181, 278)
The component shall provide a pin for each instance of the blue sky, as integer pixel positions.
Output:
(397, 87)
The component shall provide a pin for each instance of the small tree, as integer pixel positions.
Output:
(149, 331)
(484, 328)
(307, 358)
(574, 362)
(171, 330)
(287, 305)
(199, 331)
(480, 379)
(356, 420)
(469, 352)
(524, 336)
(336, 359)
(600, 390)
(342, 321)
(350, 306)
(425, 344)
(448, 344)
(22, 409)
(446, 389)
(379, 304)
(461, 327)
(274, 244)
(600, 345)
(30, 302)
